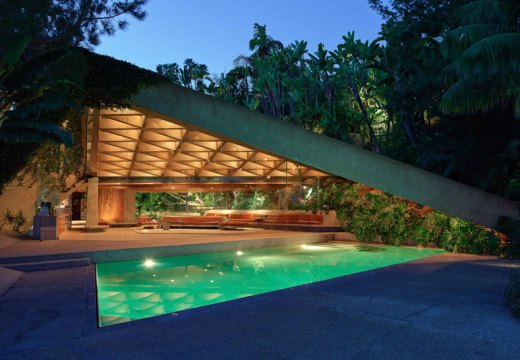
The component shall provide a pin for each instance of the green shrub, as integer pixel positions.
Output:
(7, 218)
(455, 235)
(430, 228)
(371, 214)
(364, 227)
(348, 204)
(394, 222)
(463, 236)
(12, 221)
(513, 292)
(485, 241)
(19, 221)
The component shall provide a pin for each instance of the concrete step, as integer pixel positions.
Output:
(48, 265)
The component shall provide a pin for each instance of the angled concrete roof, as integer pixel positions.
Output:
(242, 127)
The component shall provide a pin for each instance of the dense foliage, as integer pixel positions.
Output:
(42, 76)
(437, 89)
(369, 214)
(484, 48)
(110, 83)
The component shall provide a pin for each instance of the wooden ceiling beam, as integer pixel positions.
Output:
(136, 127)
(241, 167)
(136, 150)
(173, 153)
(111, 131)
(212, 157)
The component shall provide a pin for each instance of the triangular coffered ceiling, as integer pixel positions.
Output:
(130, 144)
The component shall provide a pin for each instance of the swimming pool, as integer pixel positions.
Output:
(131, 290)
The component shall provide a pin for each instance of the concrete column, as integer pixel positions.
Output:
(129, 213)
(93, 201)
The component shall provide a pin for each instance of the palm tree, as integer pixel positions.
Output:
(485, 48)
(234, 86)
(321, 66)
(267, 65)
(192, 74)
(355, 59)
(262, 44)
(172, 71)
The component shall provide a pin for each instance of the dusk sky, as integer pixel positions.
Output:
(214, 32)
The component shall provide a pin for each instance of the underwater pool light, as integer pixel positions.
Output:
(312, 247)
(149, 263)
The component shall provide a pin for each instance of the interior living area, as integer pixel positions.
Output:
(212, 181)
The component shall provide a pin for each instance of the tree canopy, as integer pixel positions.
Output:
(42, 70)
(437, 89)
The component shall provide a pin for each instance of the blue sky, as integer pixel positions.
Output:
(214, 32)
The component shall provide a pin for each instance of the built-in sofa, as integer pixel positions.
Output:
(214, 219)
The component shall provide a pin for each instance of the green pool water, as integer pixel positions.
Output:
(130, 290)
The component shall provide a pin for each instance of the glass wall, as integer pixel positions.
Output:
(263, 193)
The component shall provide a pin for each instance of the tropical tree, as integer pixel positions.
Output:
(192, 74)
(484, 46)
(263, 45)
(235, 85)
(321, 76)
(355, 61)
(411, 63)
(171, 71)
(7, 218)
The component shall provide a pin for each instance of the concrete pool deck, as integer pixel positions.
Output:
(442, 307)
(126, 244)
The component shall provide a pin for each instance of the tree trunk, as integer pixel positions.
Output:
(408, 127)
(373, 138)
(405, 116)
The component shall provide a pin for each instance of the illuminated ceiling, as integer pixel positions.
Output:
(131, 144)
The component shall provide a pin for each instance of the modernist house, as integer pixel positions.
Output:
(175, 139)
